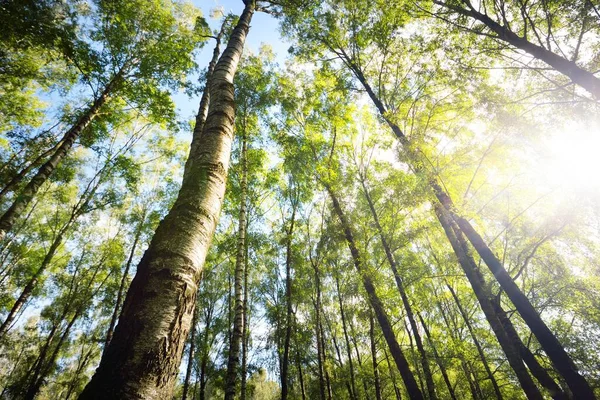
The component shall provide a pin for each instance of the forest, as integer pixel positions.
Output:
(386, 199)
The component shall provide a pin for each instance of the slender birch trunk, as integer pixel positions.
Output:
(22, 200)
(288, 299)
(384, 322)
(192, 352)
(77, 211)
(482, 356)
(484, 297)
(144, 355)
(233, 362)
(438, 359)
(400, 285)
(376, 379)
(118, 304)
(246, 336)
(16, 179)
(353, 392)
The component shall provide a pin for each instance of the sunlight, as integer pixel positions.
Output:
(570, 159)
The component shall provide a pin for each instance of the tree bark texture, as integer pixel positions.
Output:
(142, 359)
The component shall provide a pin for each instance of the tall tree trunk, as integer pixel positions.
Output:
(438, 359)
(300, 374)
(78, 210)
(144, 355)
(324, 353)
(482, 356)
(552, 347)
(31, 285)
(123, 284)
(536, 369)
(354, 394)
(484, 297)
(288, 300)
(376, 380)
(190, 364)
(81, 367)
(37, 380)
(233, 362)
(555, 351)
(246, 336)
(205, 99)
(320, 349)
(392, 375)
(22, 200)
(400, 285)
(570, 69)
(384, 322)
(16, 179)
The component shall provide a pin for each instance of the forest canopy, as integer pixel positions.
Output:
(404, 204)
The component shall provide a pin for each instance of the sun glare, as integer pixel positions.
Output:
(570, 159)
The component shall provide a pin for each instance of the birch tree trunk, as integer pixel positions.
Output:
(403, 296)
(22, 200)
(484, 297)
(238, 319)
(288, 299)
(190, 364)
(143, 357)
(376, 379)
(384, 322)
(118, 303)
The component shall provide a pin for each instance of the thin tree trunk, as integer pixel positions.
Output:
(117, 309)
(320, 358)
(555, 351)
(190, 364)
(324, 353)
(288, 299)
(482, 293)
(376, 379)
(16, 179)
(553, 348)
(22, 200)
(403, 296)
(246, 337)
(143, 363)
(42, 372)
(569, 68)
(384, 322)
(82, 365)
(536, 369)
(233, 362)
(78, 210)
(353, 392)
(300, 375)
(31, 285)
(438, 359)
(392, 375)
(482, 356)
(205, 99)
